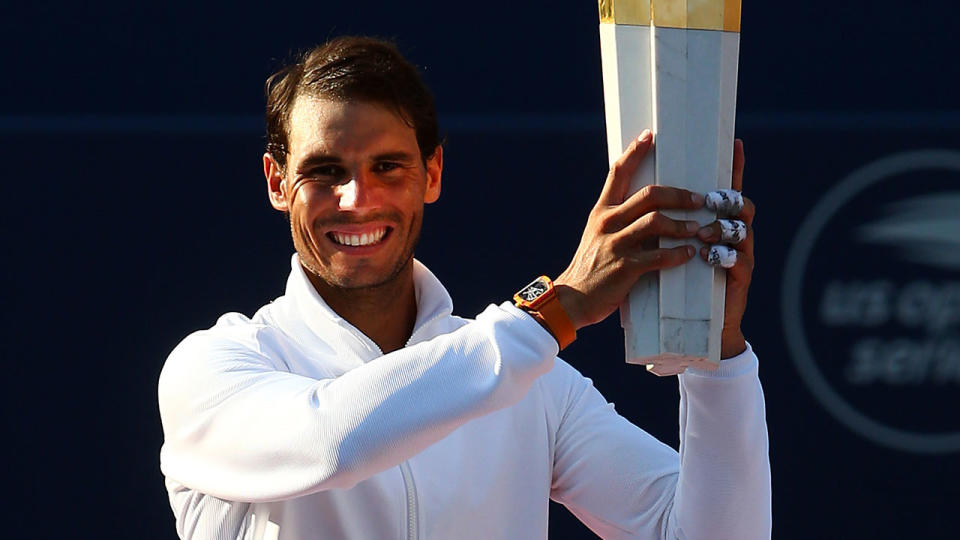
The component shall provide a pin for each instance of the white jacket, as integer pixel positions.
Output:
(293, 424)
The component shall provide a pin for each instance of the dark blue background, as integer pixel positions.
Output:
(135, 213)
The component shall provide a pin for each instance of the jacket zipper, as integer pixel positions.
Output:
(263, 528)
(411, 489)
(370, 344)
(427, 323)
(413, 532)
(412, 522)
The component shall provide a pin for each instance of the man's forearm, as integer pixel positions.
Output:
(724, 485)
(226, 420)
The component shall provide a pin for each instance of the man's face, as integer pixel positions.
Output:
(354, 188)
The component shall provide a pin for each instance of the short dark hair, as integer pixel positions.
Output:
(351, 68)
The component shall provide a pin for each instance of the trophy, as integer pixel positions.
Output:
(671, 66)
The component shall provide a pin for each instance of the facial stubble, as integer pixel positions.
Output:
(347, 282)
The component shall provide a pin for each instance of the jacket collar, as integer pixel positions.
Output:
(433, 303)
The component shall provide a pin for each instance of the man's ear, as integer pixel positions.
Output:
(276, 189)
(434, 172)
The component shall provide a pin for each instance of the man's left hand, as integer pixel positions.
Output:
(732, 341)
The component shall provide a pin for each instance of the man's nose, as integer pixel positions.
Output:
(353, 193)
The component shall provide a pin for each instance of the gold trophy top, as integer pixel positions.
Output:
(690, 14)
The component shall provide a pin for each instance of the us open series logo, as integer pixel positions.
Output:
(871, 301)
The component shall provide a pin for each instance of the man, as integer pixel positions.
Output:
(357, 406)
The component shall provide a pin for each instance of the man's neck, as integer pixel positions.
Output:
(385, 313)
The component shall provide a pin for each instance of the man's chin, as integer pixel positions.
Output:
(360, 278)
(355, 282)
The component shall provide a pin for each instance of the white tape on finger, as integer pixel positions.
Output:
(726, 202)
(732, 231)
(722, 256)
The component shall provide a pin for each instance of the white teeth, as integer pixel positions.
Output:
(364, 239)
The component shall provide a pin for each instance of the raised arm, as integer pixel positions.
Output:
(615, 477)
(238, 426)
(623, 483)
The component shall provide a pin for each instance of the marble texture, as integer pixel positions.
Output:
(682, 83)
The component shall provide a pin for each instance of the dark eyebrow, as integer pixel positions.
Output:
(321, 158)
(314, 160)
(394, 156)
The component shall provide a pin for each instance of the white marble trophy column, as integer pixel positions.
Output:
(671, 65)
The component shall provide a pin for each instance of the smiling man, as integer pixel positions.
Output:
(353, 182)
(357, 406)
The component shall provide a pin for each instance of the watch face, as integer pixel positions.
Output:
(533, 291)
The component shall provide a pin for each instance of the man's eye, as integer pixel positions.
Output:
(327, 170)
(327, 174)
(386, 166)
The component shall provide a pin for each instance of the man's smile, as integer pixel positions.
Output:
(364, 236)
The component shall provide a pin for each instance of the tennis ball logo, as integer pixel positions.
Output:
(871, 301)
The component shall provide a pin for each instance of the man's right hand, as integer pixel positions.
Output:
(619, 243)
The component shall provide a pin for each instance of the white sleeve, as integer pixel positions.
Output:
(238, 427)
(724, 486)
(623, 483)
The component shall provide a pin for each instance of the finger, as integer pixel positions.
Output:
(739, 160)
(721, 256)
(656, 224)
(618, 180)
(748, 212)
(746, 247)
(727, 231)
(650, 198)
(658, 259)
(739, 275)
(725, 202)
(741, 270)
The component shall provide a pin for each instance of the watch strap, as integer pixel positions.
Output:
(549, 312)
(552, 315)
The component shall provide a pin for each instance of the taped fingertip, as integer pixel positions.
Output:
(722, 256)
(725, 201)
(732, 231)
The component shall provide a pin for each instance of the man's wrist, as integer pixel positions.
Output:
(536, 316)
(569, 298)
(541, 300)
(732, 344)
